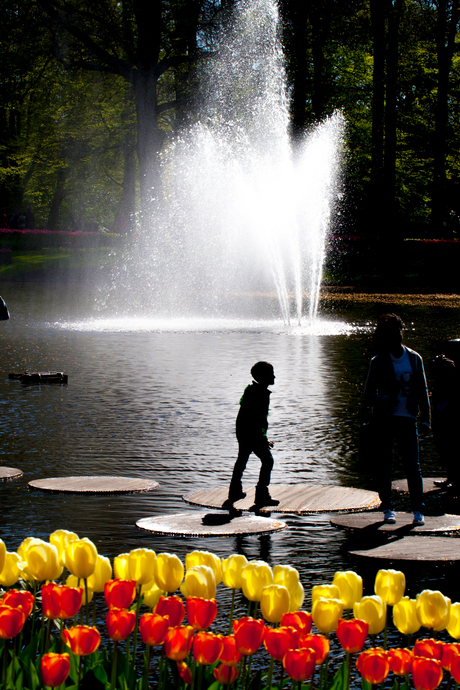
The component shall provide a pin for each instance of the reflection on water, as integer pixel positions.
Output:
(158, 399)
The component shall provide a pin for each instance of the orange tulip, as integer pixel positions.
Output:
(373, 665)
(119, 594)
(319, 644)
(81, 639)
(207, 648)
(54, 668)
(11, 621)
(426, 673)
(225, 675)
(200, 612)
(249, 634)
(153, 628)
(178, 642)
(277, 642)
(449, 652)
(300, 663)
(430, 648)
(120, 623)
(184, 672)
(172, 607)
(455, 668)
(60, 601)
(19, 599)
(300, 620)
(352, 634)
(400, 661)
(230, 656)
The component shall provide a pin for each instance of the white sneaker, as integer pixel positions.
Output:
(389, 517)
(418, 518)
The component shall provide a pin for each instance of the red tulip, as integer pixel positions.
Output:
(120, 623)
(11, 621)
(373, 665)
(400, 661)
(429, 648)
(300, 620)
(60, 601)
(172, 607)
(119, 594)
(352, 634)
(299, 663)
(225, 675)
(277, 642)
(200, 612)
(153, 628)
(426, 673)
(184, 672)
(81, 639)
(249, 634)
(207, 648)
(230, 656)
(319, 644)
(178, 642)
(455, 668)
(55, 668)
(449, 652)
(19, 599)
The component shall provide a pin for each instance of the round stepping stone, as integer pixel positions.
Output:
(428, 549)
(210, 525)
(401, 486)
(373, 522)
(94, 485)
(9, 473)
(302, 499)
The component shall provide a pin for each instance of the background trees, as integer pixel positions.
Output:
(90, 90)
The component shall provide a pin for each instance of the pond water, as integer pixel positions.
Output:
(157, 399)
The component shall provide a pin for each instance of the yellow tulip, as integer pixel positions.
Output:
(372, 610)
(73, 581)
(453, 626)
(297, 597)
(232, 568)
(287, 576)
(141, 565)
(2, 554)
(199, 582)
(43, 560)
(275, 601)
(151, 594)
(324, 592)
(350, 585)
(60, 538)
(390, 586)
(11, 571)
(102, 574)
(169, 572)
(80, 558)
(121, 566)
(255, 576)
(405, 616)
(24, 545)
(326, 614)
(433, 609)
(205, 558)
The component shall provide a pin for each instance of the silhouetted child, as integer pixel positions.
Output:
(251, 433)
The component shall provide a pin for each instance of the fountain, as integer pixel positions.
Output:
(244, 216)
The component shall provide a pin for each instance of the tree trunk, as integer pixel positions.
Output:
(58, 198)
(377, 8)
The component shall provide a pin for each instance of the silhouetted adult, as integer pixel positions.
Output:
(396, 390)
(30, 219)
(445, 420)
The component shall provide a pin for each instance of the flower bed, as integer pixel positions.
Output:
(51, 632)
(37, 239)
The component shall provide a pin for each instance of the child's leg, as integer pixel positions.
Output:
(236, 487)
(266, 458)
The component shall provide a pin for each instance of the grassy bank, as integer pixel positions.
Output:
(22, 264)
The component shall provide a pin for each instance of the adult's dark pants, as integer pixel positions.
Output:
(262, 450)
(401, 432)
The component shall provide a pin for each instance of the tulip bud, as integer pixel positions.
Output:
(207, 648)
(274, 602)
(43, 560)
(433, 609)
(449, 652)
(153, 628)
(54, 668)
(255, 576)
(324, 592)
(405, 616)
(230, 656)
(352, 634)
(427, 673)
(11, 621)
(300, 663)
(11, 570)
(102, 574)
(225, 675)
(453, 626)
(2, 554)
(80, 558)
(319, 644)
(178, 642)
(326, 614)
(373, 610)
(390, 586)
(171, 607)
(19, 599)
(200, 612)
(169, 572)
(59, 601)
(119, 594)
(205, 558)
(350, 585)
(121, 566)
(232, 569)
(373, 665)
(249, 634)
(400, 661)
(277, 642)
(120, 624)
(87, 592)
(151, 594)
(60, 538)
(300, 620)
(81, 639)
(199, 582)
(141, 565)
(430, 648)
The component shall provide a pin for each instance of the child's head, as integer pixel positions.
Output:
(388, 334)
(263, 372)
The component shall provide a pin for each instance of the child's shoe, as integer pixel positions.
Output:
(263, 499)
(389, 517)
(418, 518)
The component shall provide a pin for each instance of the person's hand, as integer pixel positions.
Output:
(271, 444)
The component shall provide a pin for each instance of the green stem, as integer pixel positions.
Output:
(230, 625)
(281, 676)
(79, 672)
(5, 661)
(348, 662)
(385, 632)
(136, 628)
(147, 657)
(270, 673)
(114, 666)
(87, 604)
(248, 672)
